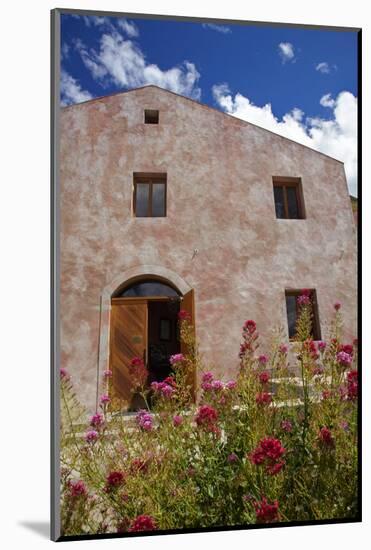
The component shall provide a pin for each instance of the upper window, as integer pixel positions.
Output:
(150, 287)
(293, 311)
(149, 195)
(151, 116)
(288, 198)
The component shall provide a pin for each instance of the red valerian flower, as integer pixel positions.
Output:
(263, 398)
(322, 346)
(64, 374)
(77, 488)
(263, 359)
(344, 359)
(303, 299)
(264, 377)
(326, 438)
(206, 417)
(283, 348)
(139, 465)
(97, 420)
(352, 385)
(183, 315)
(249, 326)
(337, 306)
(143, 523)
(138, 372)
(347, 348)
(115, 479)
(286, 425)
(269, 453)
(232, 458)
(266, 512)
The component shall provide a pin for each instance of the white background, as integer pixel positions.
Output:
(24, 272)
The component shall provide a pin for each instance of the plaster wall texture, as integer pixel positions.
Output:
(219, 201)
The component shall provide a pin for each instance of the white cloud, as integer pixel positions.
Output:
(128, 27)
(71, 91)
(323, 67)
(219, 28)
(121, 62)
(336, 137)
(327, 101)
(286, 51)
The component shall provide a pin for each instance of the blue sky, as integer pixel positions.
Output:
(301, 83)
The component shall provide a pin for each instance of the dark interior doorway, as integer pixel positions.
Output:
(163, 337)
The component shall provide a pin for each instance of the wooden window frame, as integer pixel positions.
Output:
(286, 182)
(149, 179)
(151, 116)
(316, 326)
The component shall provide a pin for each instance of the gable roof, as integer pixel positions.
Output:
(204, 106)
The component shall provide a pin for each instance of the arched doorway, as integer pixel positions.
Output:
(144, 323)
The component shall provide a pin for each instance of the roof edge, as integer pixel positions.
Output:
(214, 109)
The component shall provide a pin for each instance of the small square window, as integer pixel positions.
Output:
(165, 330)
(151, 116)
(293, 310)
(288, 198)
(149, 200)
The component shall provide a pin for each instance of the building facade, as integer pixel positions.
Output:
(232, 219)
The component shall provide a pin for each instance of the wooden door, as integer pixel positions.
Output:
(128, 339)
(188, 305)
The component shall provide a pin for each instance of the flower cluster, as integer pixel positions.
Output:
(77, 489)
(97, 420)
(143, 523)
(114, 480)
(138, 372)
(263, 398)
(183, 315)
(304, 299)
(352, 385)
(91, 436)
(266, 512)
(162, 389)
(344, 359)
(177, 358)
(326, 438)
(269, 453)
(249, 336)
(207, 417)
(145, 420)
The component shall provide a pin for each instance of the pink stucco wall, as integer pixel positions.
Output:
(219, 201)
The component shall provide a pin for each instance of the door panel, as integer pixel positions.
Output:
(128, 339)
(188, 305)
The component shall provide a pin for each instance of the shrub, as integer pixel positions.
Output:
(279, 443)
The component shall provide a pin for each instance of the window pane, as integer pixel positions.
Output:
(158, 199)
(149, 288)
(278, 201)
(292, 202)
(291, 314)
(141, 199)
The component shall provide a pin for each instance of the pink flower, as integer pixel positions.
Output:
(114, 479)
(263, 359)
(344, 359)
(105, 399)
(145, 420)
(162, 389)
(344, 425)
(283, 348)
(249, 326)
(266, 512)
(303, 300)
(217, 385)
(91, 436)
(138, 372)
(286, 426)
(177, 358)
(207, 377)
(337, 306)
(269, 452)
(143, 523)
(264, 377)
(231, 384)
(97, 420)
(326, 394)
(347, 348)
(77, 488)
(177, 420)
(107, 373)
(321, 346)
(232, 458)
(352, 385)
(263, 398)
(206, 417)
(183, 315)
(64, 374)
(325, 437)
